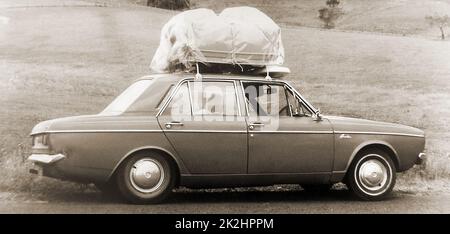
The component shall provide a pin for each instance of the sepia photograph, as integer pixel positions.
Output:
(224, 107)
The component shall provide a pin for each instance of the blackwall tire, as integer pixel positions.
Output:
(372, 175)
(146, 178)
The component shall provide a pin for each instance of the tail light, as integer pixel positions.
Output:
(40, 141)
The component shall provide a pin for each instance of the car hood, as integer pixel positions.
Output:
(96, 123)
(345, 124)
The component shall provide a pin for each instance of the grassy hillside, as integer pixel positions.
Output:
(385, 16)
(403, 17)
(64, 61)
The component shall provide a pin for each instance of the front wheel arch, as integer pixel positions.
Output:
(388, 149)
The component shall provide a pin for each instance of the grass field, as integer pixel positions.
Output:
(64, 61)
(402, 17)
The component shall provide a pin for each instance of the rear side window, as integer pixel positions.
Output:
(208, 98)
(165, 97)
(127, 98)
(213, 98)
(180, 103)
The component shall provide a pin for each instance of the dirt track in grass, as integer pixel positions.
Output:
(287, 201)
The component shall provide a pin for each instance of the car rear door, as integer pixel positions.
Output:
(203, 122)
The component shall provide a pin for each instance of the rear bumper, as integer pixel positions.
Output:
(42, 160)
(58, 166)
(421, 158)
(46, 158)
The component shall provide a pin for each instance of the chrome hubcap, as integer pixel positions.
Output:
(146, 175)
(373, 175)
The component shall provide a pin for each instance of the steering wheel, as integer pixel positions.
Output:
(283, 109)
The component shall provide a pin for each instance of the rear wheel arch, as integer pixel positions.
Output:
(172, 160)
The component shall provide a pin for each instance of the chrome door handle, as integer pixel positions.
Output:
(253, 125)
(175, 123)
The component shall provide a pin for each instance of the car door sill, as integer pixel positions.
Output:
(245, 180)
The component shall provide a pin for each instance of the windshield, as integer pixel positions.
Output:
(127, 98)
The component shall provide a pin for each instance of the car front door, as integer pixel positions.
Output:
(203, 122)
(283, 135)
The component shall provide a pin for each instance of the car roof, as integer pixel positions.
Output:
(183, 75)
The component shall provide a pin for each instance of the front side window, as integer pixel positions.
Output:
(127, 98)
(272, 100)
(297, 107)
(266, 99)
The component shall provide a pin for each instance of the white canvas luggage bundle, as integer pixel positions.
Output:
(238, 36)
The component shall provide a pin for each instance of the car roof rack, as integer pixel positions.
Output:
(267, 71)
(273, 71)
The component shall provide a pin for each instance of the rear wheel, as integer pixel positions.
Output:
(372, 175)
(146, 177)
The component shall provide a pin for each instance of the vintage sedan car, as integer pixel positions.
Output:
(169, 130)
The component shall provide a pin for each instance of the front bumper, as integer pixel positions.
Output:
(421, 158)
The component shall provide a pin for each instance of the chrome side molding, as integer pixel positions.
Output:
(345, 136)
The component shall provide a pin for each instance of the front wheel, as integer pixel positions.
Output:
(372, 175)
(146, 177)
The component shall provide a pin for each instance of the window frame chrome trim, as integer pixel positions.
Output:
(241, 80)
(245, 99)
(104, 131)
(238, 114)
(237, 98)
(295, 92)
(188, 80)
(177, 87)
(191, 102)
(166, 94)
(293, 132)
(207, 131)
(286, 85)
(287, 100)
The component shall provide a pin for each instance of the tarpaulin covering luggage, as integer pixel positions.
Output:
(239, 35)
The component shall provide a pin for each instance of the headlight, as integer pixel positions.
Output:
(40, 141)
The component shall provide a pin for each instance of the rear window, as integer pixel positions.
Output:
(127, 98)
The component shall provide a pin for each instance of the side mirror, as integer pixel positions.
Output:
(317, 115)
